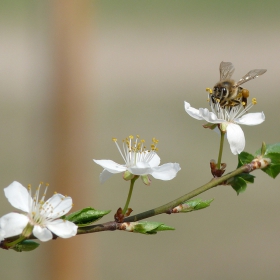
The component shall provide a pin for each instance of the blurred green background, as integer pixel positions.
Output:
(74, 74)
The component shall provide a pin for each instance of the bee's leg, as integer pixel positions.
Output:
(234, 102)
(243, 94)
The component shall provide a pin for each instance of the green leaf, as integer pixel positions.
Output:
(272, 170)
(192, 205)
(239, 184)
(271, 148)
(244, 158)
(26, 246)
(150, 227)
(86, 216)
(247, 177)
(273, 153)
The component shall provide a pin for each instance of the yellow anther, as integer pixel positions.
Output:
(29, 186)
(41, 183)
(155, 140)
(115, 139)
(142, 141)
(243, 103)
(47, 184)
(137, 136)
(209, 90)
(254, 101)
(131, 136)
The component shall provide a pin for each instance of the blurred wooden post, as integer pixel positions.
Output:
(71, 126)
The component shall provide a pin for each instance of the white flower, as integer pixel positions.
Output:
(2, 233)
(228, 120)
(42, 215)
(138, 161)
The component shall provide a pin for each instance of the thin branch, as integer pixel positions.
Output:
(166, 208)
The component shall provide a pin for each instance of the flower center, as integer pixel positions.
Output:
(41, 212)
(134, 151)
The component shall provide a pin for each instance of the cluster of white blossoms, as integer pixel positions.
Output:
(138, 161)
(41, 217)
(228, 119)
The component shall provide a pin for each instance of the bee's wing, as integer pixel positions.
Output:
(250, 75)
(226, 70)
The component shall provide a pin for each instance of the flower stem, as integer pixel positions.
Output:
(13, 243)
(132, 181)
(221, 149)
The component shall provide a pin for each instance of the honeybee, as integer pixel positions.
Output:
(229, 93)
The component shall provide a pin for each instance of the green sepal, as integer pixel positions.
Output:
(26, 246)
(210, 125)
(273, 153)
(195, 204)
(150, 227)
(86, 216)
(146, 180)
(128, 176)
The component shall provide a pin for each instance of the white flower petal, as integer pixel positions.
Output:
(18, 196)
(63, 229)
(251, 119)
(2, 234)
(166, 171)
(236, 138)
(43, 234)
(57, 206)
(155, 161)
(105, 175)
(140, 169)
(13, 224)
(209, 116)
(192, 111)
(110, 165)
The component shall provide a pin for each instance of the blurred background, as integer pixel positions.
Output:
(75, 73)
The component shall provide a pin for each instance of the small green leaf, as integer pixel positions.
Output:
(150, 227)
(203, 204)
(273, 153)
(239, 184)
(247, 177)
(192, 205)
(26, 246)
(244, 158)
(272, 148)
(272, 170)
(86, 216)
